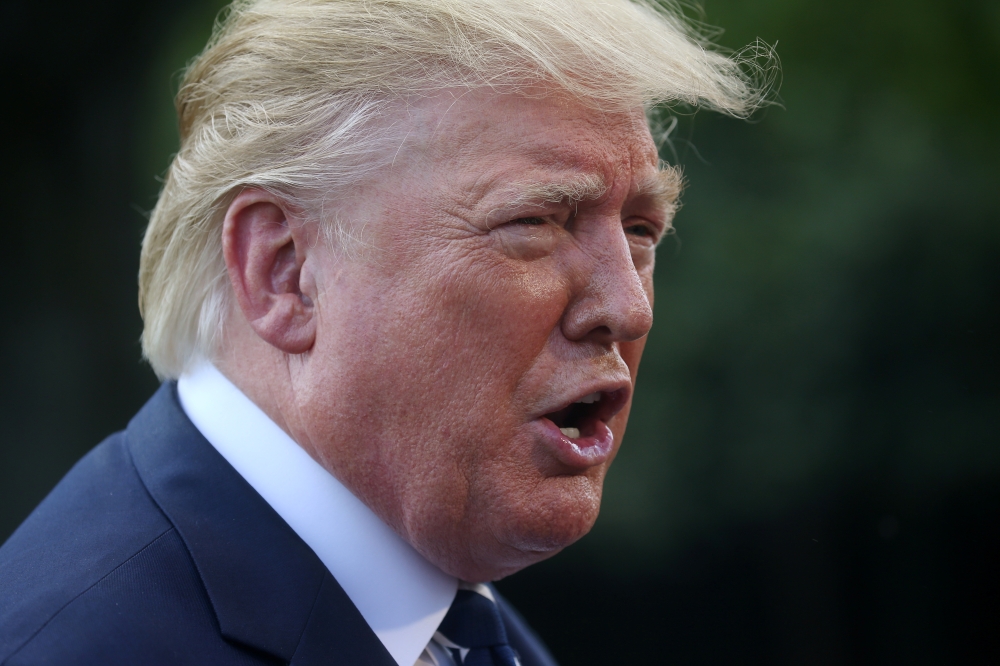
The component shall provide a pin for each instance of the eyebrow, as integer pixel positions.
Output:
(664, 188)
(582, 188)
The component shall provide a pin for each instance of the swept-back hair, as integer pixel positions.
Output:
(287, 95)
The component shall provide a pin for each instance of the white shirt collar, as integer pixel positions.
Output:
(402, 596)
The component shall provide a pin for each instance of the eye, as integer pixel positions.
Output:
(641, 231)
(532, 221)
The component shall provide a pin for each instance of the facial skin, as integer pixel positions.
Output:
(420, 370)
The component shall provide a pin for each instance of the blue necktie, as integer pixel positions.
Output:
(474, 624)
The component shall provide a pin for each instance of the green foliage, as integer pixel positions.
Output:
(827, 321)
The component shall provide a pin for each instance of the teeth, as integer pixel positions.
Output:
(592, 398)
(572, 433)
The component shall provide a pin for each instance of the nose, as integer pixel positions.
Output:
(610, 303)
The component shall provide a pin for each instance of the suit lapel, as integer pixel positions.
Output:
(268, 589)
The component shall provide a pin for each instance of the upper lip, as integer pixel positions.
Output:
(614, 396)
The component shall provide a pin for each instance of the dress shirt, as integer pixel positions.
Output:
(401, 595)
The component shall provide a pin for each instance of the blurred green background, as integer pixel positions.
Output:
(812, 471)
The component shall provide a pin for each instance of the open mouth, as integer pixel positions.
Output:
(582, 418)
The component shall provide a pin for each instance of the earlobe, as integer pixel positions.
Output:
(265, 250)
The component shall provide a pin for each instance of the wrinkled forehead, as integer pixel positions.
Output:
(550, 129)
(479, 138)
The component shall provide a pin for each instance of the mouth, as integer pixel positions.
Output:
(579, 432)
(581, 417)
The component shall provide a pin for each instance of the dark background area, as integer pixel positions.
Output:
(812, 472)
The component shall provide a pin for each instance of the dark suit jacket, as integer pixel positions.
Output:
(154, 550)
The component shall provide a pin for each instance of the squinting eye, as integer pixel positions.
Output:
(534, 221)
(639, 230)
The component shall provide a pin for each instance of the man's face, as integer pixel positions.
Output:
(473, 368)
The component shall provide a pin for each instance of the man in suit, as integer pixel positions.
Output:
(398, 283)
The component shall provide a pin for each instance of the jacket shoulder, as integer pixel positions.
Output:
(97, 518)
(151, 609)
(102, 573)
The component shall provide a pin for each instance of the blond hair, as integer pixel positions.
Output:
(287, 95)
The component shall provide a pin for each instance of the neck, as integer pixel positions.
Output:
(267, 376)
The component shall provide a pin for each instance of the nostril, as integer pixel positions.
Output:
(602, 331)
(604, 319)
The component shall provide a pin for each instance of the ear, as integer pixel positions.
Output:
(265, 252)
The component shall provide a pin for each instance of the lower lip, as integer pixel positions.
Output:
(579, 452)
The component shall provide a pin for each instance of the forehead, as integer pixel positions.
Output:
(482, 134)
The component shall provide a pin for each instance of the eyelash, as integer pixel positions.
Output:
(646, 232)
(639, 230)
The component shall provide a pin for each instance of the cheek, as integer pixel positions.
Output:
(448, 349)
(497, 320)
(631, 353)
(646, 277)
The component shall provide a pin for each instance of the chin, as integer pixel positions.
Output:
(559, 512)
(510, 524)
